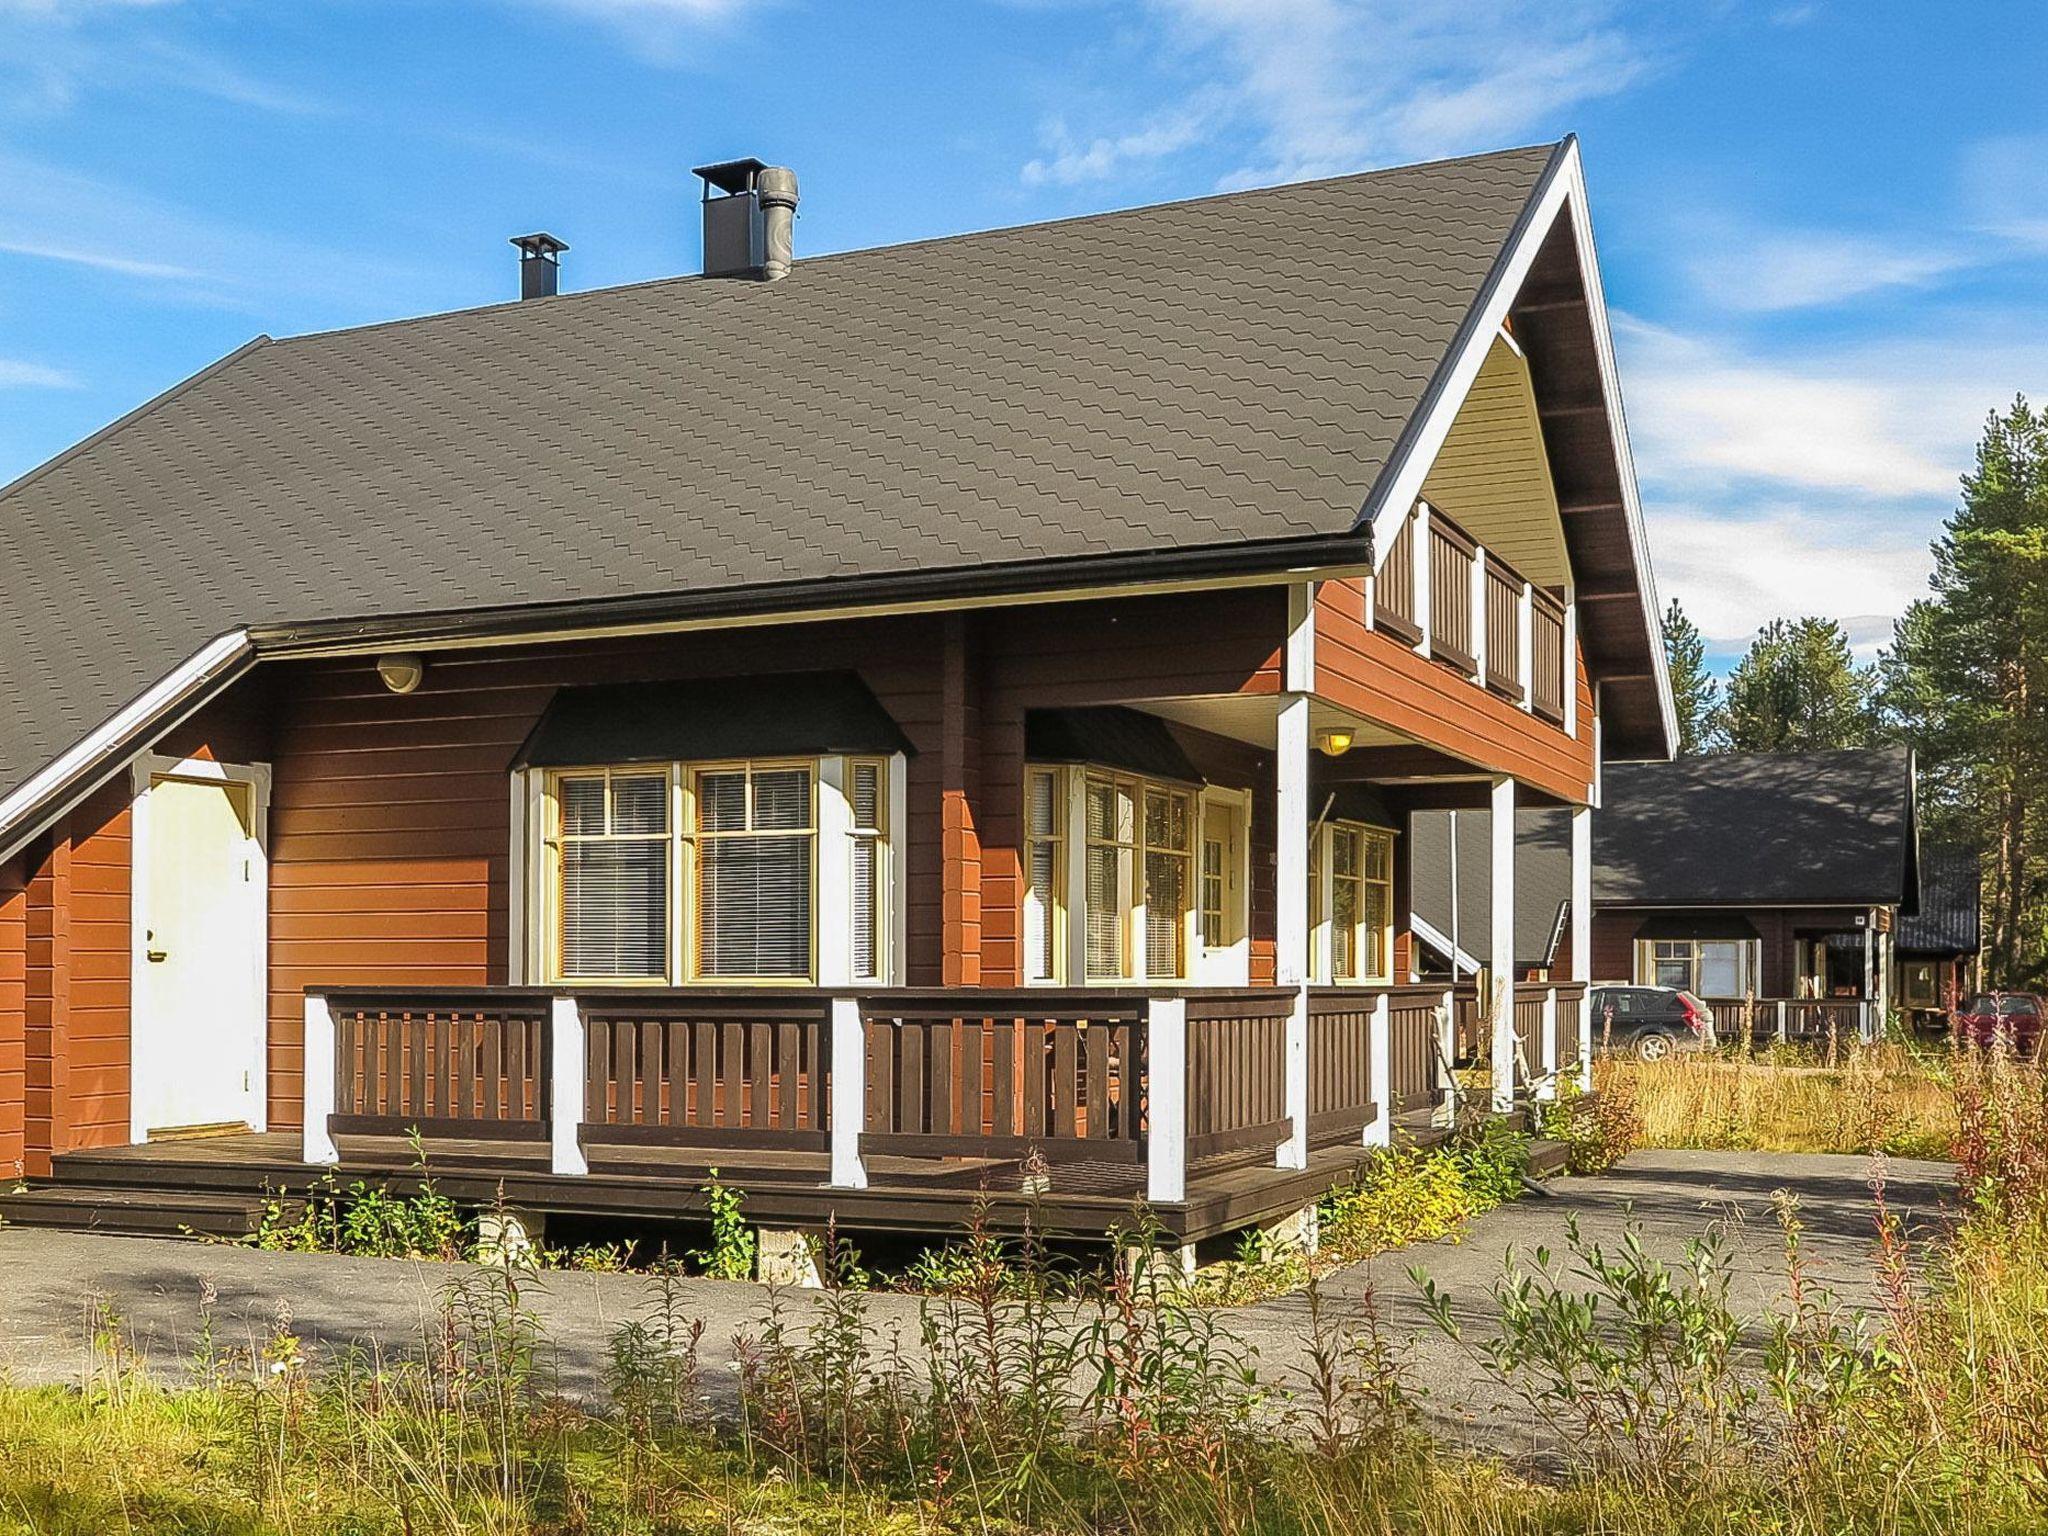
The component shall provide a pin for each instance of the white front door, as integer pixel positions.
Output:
(1226, 948)
(200, 901)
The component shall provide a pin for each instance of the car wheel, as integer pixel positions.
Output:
(1653, 1045)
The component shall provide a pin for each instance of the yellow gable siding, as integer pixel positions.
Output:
(1493, 476)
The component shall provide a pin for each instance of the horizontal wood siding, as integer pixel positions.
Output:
(1379, 678)
(97, 1035)
(391, 816)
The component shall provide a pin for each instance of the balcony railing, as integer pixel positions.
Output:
(1165, 1079)
(1440, 591)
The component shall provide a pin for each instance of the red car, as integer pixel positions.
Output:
(2015, 1015)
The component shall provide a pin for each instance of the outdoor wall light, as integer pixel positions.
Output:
(401, 672)
(1334, 742)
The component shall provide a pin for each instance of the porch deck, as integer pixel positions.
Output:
(905, 1194)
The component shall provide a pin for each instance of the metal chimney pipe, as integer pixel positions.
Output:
(540, 266)
(776, 189)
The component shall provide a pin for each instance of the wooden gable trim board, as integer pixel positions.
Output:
(1561, 191)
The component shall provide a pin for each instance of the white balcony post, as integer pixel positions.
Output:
(1482, 638)
(1501, 932)
(569, 1069)
(1582, 933)
(1290, 919)
(849, 1093)
(1783, 1024)
(1166, 1099)
(1569, 682)
(1424, 598)
(835, 874)
(317, 1143)
(1379, 1057)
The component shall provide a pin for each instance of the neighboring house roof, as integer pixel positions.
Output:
(1759, 830)
(1951, 897)
(1237, 373)
(1543, 881)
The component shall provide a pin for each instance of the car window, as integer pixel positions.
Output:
(1983, 1002)
(2021, 1008)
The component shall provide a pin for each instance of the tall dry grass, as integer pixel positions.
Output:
(1879, 1098)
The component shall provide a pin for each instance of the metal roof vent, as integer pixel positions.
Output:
(540, 265)
(749, 219)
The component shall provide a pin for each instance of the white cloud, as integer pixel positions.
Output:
(17, 374)
(1069, 160)
(1735, 572)
(1754, 271)
(2005, 187)
(1329, 86)
(99, 261)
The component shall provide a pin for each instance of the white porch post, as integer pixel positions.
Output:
(1379, 1131)
(1865, 1029)
(1546, 1088)
(835, 874)
(317, 1141)
(1501, 934)
(1482, 639)
(569, 1063)
(849, 1092)
(1582, 933)
(1166, 1098)
(1447, 1049)
(1525, 645)
(1290, 918)
(1424, 597)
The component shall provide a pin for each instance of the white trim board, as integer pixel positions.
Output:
(1422, 928)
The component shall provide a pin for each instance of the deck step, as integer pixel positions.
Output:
(1547, 1158)
(133, 1212)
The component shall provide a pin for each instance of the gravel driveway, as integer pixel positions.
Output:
(47, 1279)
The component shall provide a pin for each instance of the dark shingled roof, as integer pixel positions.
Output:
(1786, 829)
(1951, 897)
(1213, 373)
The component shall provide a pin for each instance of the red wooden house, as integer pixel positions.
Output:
(858, 722)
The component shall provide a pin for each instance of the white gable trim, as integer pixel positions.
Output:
(189, 686)
(1440, 941)
(1562, 190)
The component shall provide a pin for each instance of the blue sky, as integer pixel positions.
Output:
(1824, 226)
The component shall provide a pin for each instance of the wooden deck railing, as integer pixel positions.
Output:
(1786, 1018)
(1451, 553)
(1340, 1086)
(1237, 1091)
(1000, 1074)
(1524, 662)
(706, 1070)
(1503, 628)
(1547, 662)
(1393, 602)
(452, 1063)
(1161, 1077)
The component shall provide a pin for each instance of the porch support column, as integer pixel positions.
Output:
(317, 1140)
(1866, 1015)
(1290, 865)
(569, 1068)
(835, 874)
(1379, 1056)
(1166, 1099)
(849, 1092)
(1501, 934)
(1582, 933)
(1546, 1086)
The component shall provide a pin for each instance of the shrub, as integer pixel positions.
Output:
(1597, 1130)
(734, 1245)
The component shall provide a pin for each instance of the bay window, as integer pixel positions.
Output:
(710, 872)
(1703, 967)
(1360, 910)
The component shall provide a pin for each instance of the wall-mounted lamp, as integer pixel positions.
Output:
(1334, 742)
(401, 672)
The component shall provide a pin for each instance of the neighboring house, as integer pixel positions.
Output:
(855, 729)
(1774, 876)
(1937, 947)
(1452, 892)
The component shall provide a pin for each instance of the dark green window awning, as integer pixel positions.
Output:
(789, 714)
(1698, 925)
(1109, 736)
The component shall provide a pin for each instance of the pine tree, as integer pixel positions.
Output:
(1694, 692)
(1966, 682)
(1798, 689)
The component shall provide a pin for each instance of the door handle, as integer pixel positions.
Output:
(157, 955)
(154, 955)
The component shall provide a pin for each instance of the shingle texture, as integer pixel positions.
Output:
(1949, 921)
(1770, 829)
(1197, 374)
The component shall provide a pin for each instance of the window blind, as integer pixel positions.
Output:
(1042, 809)
(865, 793)
(614, 860)
(754, 856)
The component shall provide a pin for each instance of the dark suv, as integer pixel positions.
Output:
(1650, 1021)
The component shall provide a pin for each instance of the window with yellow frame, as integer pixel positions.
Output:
(1361, 902)
(704, 872)
(1135, 843)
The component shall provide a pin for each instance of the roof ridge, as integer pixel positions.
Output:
(921, 242)
(30, 476)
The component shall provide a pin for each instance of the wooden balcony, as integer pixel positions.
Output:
(1442, 592)
(897, 1108)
